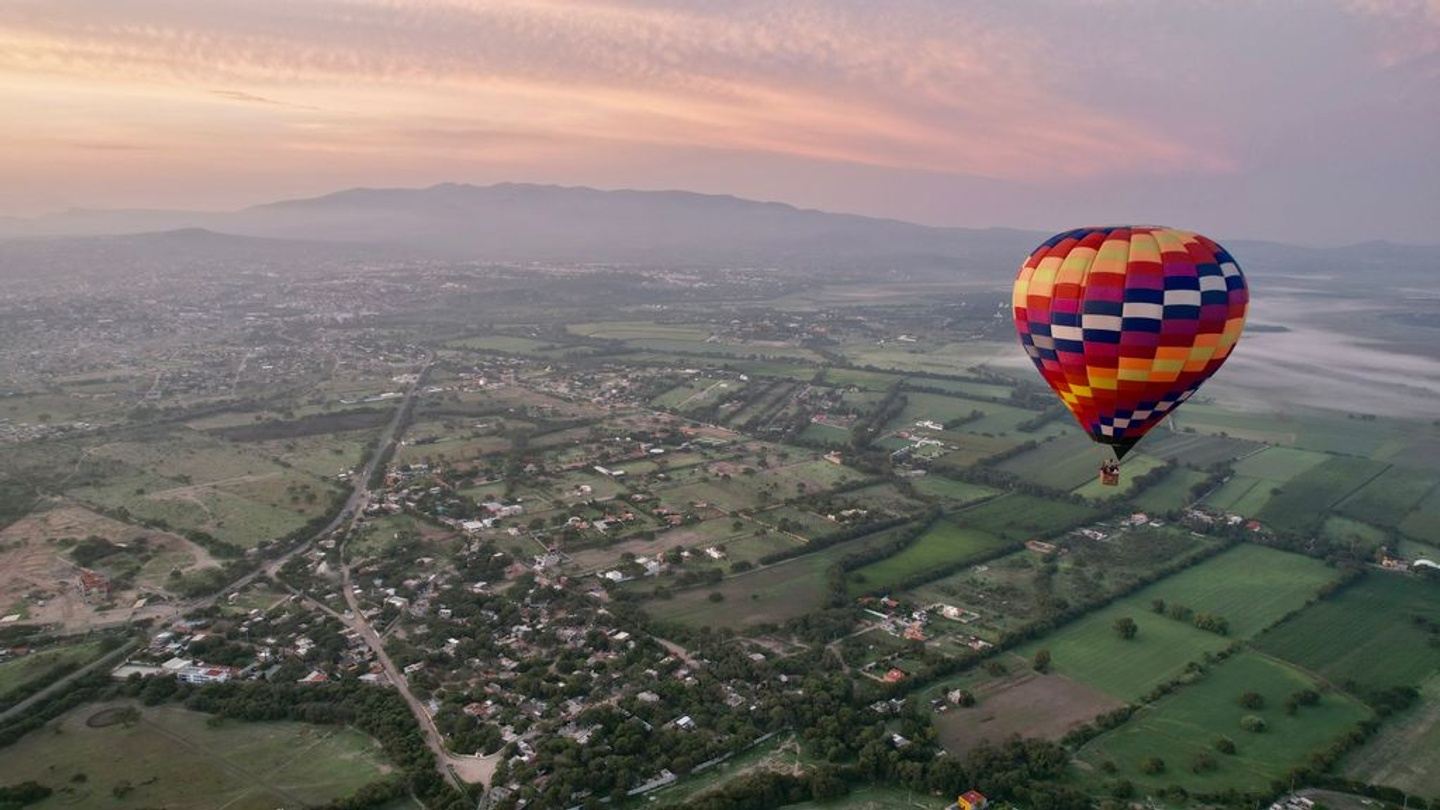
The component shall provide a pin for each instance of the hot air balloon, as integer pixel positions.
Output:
(1126, 322)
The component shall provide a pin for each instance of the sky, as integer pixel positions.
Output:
(1313, 121)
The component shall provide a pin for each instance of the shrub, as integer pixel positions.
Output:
(1251, 700)
(1253, 724)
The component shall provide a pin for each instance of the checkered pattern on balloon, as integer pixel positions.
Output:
(1125, 323)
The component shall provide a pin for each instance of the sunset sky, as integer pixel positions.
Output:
(1286, 119)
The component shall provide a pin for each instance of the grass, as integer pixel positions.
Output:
(1173, 491)
(1250, 586)
(952, 492)
(1064, 463)
(172, 758)
(1389, 498)
(1133, 467)
(1197, 450)
(1301, 504)
(1424, 522)
(1370, 621)
(943, 544)
(1020, 517)
(1186, 724)
(1402, 755)
(774, 593)
(17, 672)
(873, 797)
(1279, 464)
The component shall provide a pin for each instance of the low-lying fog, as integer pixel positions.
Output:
(1312, 365)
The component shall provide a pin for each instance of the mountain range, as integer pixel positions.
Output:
(517, 222)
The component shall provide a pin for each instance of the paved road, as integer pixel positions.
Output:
(104, 660)
(359, 495)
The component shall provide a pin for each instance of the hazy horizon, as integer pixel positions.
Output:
(1303, 123)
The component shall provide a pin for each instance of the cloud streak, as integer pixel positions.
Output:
(1093, 99)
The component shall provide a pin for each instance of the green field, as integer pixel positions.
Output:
(1353, 533)
(1424, 522)
(1279, 464)
(1370, 621)
(1020, 517)
(774, 593)
(17, 672)
(172, 758)
(951, 492)
(943, 544)
(1134, 466)
(1186, 724)
(872, 797)
(1403, 754)
(1063, 463)
(1301, 504)
(641, 330)
(1250, 586)
(1389, 498)
(1173, 491)
(1197, 450)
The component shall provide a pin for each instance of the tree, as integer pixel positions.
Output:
(1158, 605)
(1253, 724)
(1251, 700)
(1042, 661)
(1126, 628)
(1224, 745)
(1152, 765)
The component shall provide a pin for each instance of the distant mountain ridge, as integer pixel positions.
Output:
(522, 222)
(526, 222)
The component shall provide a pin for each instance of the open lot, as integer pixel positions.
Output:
(40, 579)
(1343, 637)
(1027, 704)
(1185, 725)
(173, 758)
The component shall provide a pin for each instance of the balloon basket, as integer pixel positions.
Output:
(1110, 479)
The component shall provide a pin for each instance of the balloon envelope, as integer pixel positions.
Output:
(1125, 323)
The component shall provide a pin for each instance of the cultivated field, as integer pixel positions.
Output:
(1173, 491)
(1302, 502)
(1403, 754)
(1064, 463)
(172, 758)
(1250, 586)
(1186, 725)
(944, 544)
(1370, 621)
(1021, 517)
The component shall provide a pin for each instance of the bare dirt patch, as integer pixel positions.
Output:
(1027, 704)
(40, 582)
